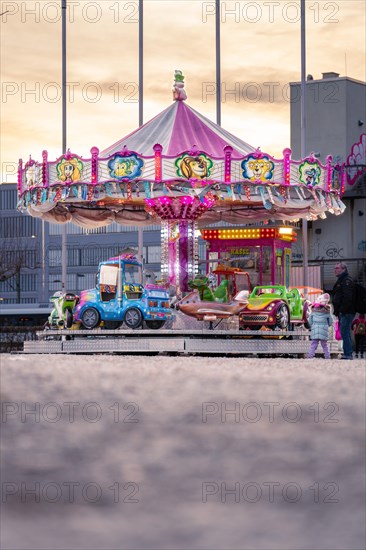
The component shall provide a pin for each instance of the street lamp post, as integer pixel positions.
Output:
(303, 142)
(140, 231)
(218, 63)
(64, 145)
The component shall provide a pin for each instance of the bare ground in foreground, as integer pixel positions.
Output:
(131, 452)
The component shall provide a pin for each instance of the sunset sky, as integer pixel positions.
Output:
(260, 49)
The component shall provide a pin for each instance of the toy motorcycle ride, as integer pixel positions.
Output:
(61, 315)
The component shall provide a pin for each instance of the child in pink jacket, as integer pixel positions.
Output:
(359, 330)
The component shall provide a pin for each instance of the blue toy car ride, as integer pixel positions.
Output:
(120, 297)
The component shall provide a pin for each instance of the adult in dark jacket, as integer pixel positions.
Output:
(343, 304)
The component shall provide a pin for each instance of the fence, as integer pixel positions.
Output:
(321, 272)
(13, 337)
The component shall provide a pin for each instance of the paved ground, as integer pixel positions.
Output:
(142, 453)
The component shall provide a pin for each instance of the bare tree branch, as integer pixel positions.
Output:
(16, 255)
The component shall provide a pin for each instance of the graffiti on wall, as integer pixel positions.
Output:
(357, 158)
(333, 251)
(329, 250)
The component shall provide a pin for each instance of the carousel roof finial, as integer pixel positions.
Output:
(179, 93)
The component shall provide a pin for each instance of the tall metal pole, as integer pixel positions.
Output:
(303, 139)
(141, 62)
(218, 64)
(43, 293)
(140, 231)
(64, 145)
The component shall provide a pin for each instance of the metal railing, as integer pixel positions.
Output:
(12, 338)
(322, 271)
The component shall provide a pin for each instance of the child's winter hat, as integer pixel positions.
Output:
(323, 299)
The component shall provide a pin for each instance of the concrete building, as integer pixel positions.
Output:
(335, 125)
(336, 116)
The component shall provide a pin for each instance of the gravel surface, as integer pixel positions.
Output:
(182, 453)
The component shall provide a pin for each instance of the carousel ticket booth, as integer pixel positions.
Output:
(263, 252)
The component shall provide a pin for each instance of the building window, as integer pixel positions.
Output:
(75, 282)
(73, 255)
(8, 199)
(56, 229)
(153, 254)
(18, 255)
(8, 285)
(201, 249)
(27, 283)
(90, 256)
(18, 226)
(93, 256)
(54, 257)
(73, 229)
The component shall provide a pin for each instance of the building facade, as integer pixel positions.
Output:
(335, 125)
(336, 116)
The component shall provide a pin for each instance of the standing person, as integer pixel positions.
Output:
(320, 320)
(359, 330)
(343, 306)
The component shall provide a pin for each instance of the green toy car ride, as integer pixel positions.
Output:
(274, 306)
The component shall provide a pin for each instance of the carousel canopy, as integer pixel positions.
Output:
(180, 128)
(178, 166)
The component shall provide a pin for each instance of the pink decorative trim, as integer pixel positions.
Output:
(183, 244)
(285, 169)
(94, 164)
(125, 152)
(44, 168)
(329, 172)
(258, 153)
(344, 180)
(158, 168)
(20, 173)
(228, 150)
(287, 166)
(194, 152)
(68, 155)
(180, 208)
(29, 162)
(312, 158)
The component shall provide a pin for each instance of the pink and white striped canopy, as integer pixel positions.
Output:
(179, 128)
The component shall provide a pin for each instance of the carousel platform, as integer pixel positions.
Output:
(175, 342)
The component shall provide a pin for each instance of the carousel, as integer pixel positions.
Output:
(185, 172)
